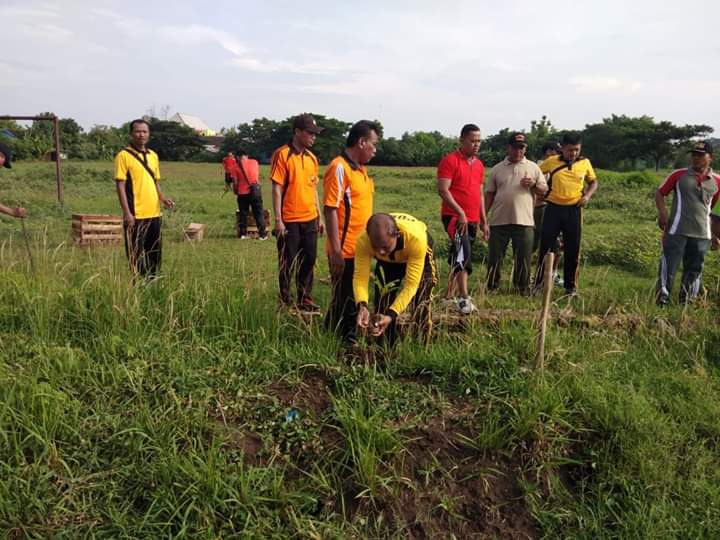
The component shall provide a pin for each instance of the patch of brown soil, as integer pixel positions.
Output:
(452, 488)
(311, 395)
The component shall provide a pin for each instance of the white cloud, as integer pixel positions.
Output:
(605, 85)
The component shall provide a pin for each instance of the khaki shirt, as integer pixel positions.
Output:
(513, 204)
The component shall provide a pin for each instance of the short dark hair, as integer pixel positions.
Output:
(361, 130)
(571, 137)
(240, 151)
(550, 145)
(468, 128)
(138, 121)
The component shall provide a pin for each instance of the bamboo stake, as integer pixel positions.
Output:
(547, 293)
(27, 244)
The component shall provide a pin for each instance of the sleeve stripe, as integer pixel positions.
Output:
(340, 177)
(669, 183)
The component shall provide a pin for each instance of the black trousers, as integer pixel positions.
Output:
(387, 273)
(297, 251)
(342, 314)
(245, 202)
(143, 246)
(568, 221)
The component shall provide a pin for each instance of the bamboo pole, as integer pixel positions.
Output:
(547, 293)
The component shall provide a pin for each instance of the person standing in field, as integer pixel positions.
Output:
(6, 161)
(246, 185)
(460, 177)
(402, 246)
(687, 230)
(294, 172)
(228, 166)
(568, 174)
(137, 180)
(550, 148)
(509, 200)
(348, 204)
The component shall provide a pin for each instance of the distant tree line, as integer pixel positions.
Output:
(619, 142)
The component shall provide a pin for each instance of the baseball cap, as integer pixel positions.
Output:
(307, 122)
(4, 149)
(701, 147)
(517, 139)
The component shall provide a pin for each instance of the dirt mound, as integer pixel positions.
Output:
(456, 489)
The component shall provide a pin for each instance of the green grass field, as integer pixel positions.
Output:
(192, 408)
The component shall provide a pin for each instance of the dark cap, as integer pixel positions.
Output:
(306, 122)
(8, 155)
(701, 147)
(517, 139)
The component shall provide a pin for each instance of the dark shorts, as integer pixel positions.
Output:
(460, 249)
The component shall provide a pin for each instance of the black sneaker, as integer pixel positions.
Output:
(571, 293)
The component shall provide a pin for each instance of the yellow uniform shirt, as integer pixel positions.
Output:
(142, 194)
(348, 188)
(297, 173)
(411, 249)
(566, 184)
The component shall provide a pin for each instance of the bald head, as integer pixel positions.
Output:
(382, 232)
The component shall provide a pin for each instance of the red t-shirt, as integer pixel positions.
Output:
(466, 180)
(228, 164)
(251, 168)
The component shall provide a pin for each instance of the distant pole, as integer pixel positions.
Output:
(58, 174)
(547, 293)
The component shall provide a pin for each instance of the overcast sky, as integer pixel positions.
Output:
(414, 65)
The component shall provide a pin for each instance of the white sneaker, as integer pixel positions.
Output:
(466, 306)
(244, 237)
(558, 280)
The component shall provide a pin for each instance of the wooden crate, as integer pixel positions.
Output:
(194, 232)
(97, 229)
(252, 230)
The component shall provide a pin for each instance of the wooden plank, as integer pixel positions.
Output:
(97, 217)
(92, 227)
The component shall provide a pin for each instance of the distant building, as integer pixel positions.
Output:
(194, 123)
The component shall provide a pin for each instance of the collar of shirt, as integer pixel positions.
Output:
(507, 161)
(469, 160)
(354, 166)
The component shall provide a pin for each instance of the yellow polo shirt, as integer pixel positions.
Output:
(140, 188)
(567, 183)
(411, 249)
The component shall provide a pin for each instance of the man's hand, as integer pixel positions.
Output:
(279, 228)
(167, 202)
(715, 243)
(363, 317)
(527, 182)
(461, 223)
(486, 230)
(583, 202)
(321, 228)
(337, 264)
(19, 212)
(662, 221)
(380, 325)
(129, 220)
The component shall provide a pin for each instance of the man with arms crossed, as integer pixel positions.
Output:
(294, 173)
(460, 177)
(509, 198)
(348, 202)
(687, 230)
(137, 181)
